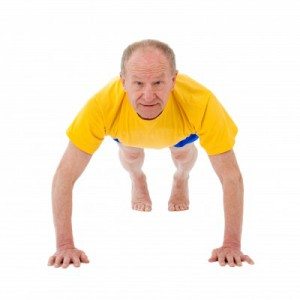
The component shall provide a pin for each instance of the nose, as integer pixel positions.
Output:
(148, 94)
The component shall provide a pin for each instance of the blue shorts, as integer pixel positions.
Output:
(190, 139)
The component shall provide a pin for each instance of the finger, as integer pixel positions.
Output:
(66, 262)
(84, 258)
(214, 256)
(51, 260)
(230, 260)
(76, 261)
(221, 260)
(213, 259)
(58, 261)
(238, 260)
(248, 259)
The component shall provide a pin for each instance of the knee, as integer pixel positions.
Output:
(131, 155)
(184, 154)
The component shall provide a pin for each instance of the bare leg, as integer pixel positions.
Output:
(132, 160)
(184, 159)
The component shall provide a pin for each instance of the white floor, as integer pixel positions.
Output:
(51, 64)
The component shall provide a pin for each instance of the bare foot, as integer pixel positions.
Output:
(140, 195)
(179, 199)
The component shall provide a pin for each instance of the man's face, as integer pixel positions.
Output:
(148, 81)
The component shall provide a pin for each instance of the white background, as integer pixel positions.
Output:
(54, 55)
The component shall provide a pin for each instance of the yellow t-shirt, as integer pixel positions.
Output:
(190, 109)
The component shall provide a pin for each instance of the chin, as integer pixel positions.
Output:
(149, 116)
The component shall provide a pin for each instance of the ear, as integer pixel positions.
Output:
(123, 81)
(174, 78)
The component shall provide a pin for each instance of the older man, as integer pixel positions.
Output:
(152, 106)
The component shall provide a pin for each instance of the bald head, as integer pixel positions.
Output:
(157, 47)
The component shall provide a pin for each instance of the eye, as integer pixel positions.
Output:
(158, 82)
(138, 83)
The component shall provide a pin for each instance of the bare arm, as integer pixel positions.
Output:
(71, 166)
(226, 167)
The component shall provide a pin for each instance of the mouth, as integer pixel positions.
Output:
(148, 105)
(149, 111)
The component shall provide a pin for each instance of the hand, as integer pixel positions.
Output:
(64, 257)
(232, 255)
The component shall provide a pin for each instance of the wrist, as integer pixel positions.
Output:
(232, 244)
(65, 245)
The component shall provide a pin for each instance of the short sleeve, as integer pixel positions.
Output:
(217, 131)
(87, 130)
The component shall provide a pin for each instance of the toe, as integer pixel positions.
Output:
(141, 207)
(177, 207)
(185, 207)
(171, 207)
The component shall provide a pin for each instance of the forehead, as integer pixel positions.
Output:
(147, 61)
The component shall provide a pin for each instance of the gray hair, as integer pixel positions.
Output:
(163, 47)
